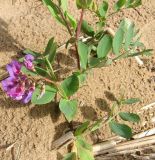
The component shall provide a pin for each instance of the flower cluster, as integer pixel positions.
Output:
(18, 86)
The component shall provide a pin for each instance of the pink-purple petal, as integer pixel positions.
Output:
(8, 83)
(16, 92)
(27, 97)
(28, 62)
(14, 68)
(29, 57)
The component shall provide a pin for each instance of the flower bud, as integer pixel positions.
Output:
(28, 62)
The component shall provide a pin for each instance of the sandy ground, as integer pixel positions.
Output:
(28, 24)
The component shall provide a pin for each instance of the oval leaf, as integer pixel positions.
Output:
(131, 117)
(50, 50)
(103, 8)
(133, 3)
(64, 4)
(131, 101)
(121, 129)
(46, 97)
(53, 10)
(81, 76)
(129, 36)
(83, 50)
(119, 4)
(68, 108)
(72, 20)
(83, 4)
(104, 46)
(87, 29)
(70, 85)
(117, 41)
(84, 150)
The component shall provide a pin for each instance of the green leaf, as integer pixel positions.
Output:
(131, 101)
(28, 72)
(39, 61)
(100, 25)
(118, 41)
(83, 53)
(121, 129)
(82, 142)
(103, 8)
(138, 44)
(50, 50)
(72, 20)
(128, 38)
(129, 34)
(97, 62)
(96, 125)
(93, 7)
(104, 46)
(43, 97)
(87, 29)
(70, 85)
(70, 156)
(82, 128)
(64, 4)
(131, 117)
(84, 150)
(41, 71)
(137, 3)
(83, 4)
(53, 10)
(94, 62)
(119, 4)
(129, 3)
(68, 108)
(81, 76)
(50, 68)
(133, 3)
(28, 51)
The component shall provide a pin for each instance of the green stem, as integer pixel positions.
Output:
(50, 68)
(65, 21)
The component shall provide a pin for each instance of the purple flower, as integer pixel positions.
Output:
(14, 68)
(17, 85)
(28, 95)
(14, 88)
(28, 62)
